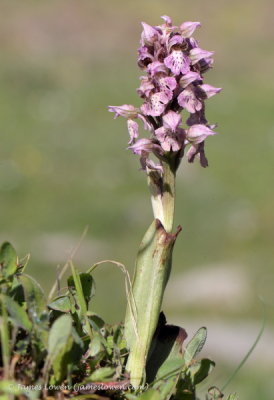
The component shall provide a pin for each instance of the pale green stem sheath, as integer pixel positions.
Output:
(168, 195)
(152, 271)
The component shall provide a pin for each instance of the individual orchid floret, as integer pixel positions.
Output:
(156, 104)
(209, 90)
(198, 133)
(145, 57)
(187, 28)
(146, 88)
(188, 78)
(176, 40)
(143, 147)
(149, 35)
(126, 111)
(198, 54)
(167, 84)
(156, 67)
(177, 62)
(170, 135)
(188, 100)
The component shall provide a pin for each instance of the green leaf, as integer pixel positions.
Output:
(195, 345)
(201, 370)
(102, 374)
(170, 368)
(81, 300)
(167, 345)
(150, 394)
(17, 313)
(151, 274)
(96, 322)
(87, 284)
(8, 259)
(59, 336)
(60, 342)
(34, 294)
(95, 345)
(61, 303)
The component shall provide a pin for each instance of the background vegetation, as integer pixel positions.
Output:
(63, 164)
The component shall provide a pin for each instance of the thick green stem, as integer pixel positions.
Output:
(152, 271)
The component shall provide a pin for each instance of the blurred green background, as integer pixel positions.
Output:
(63, 164)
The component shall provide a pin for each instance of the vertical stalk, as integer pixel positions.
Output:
(152, 271)
(162, 191)
(168, 195)
(4, 334)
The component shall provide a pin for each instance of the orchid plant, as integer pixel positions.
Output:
(172, 82)
(59, 347)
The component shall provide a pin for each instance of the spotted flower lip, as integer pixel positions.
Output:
(178, 62)
(188, 100)
(170, 135)
(157, 104)
(172, 121)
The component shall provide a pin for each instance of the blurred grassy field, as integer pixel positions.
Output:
(63, 163)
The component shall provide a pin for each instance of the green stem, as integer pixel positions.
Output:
(4, 334)
(168, 195)
(163, 194)
(152, 271)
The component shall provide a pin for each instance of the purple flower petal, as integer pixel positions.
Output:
(167, 20)
(149, 34)
(210, 90)
(172, 120)
(197, 150)
(198, 133)
(188, 28)
(133, 130)
(144, 57)
(188, 100)
(177, 62)
(147, 124)
(189, 78)
(167, 83)
(145, 146)
(198, 54)
(170, 140)
(126, 111)
(156, 67)
(156, 105)
(175, 40)
(146, 87)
